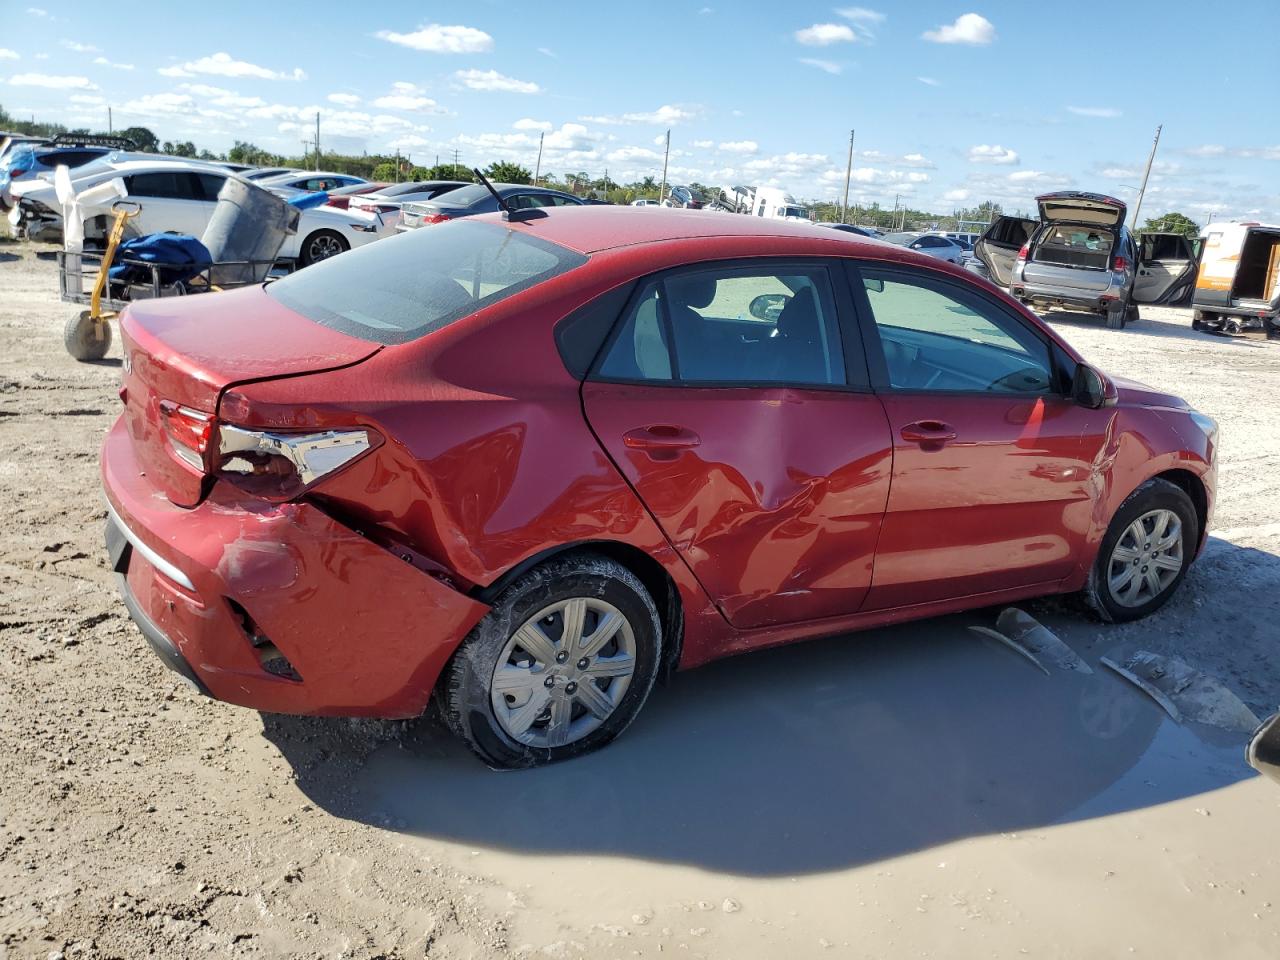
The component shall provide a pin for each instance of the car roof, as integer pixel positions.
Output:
(591, 229)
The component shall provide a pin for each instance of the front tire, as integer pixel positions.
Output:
(559, 667)
(322, 245)
(1145, 553)
(86, 339)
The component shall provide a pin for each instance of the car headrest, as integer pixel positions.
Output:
(799, 318)
(695, 290)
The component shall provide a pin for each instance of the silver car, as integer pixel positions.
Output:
(1080, 256)
(930, 244)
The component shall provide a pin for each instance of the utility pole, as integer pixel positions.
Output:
(317, 140)
(397, 164)
(455, 163)
(894, 221)
(1137, 207)
(110, 128)
(848, 172)
(537, 167)
(662, 191)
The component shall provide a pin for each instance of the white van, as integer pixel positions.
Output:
(1238, 286)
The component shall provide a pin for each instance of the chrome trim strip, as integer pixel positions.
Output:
(157, 561)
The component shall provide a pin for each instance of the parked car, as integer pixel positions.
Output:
(850, 228)
(389, 199)
(342, 197)
(181, 198)
(686, 197)
(28, 160)
(475, 198)
(264, 173)
(1081, 256)
(1238, 283)
(311, 181)
(645, 202)
(931, 245)
(559, 480)
(964, 238)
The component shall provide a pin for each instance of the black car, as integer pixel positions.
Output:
(850, 228)
(475, 198)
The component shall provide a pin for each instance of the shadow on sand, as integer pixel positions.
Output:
(809, 758)
(1164, 329)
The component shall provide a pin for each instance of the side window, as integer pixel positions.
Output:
(168, 185)
(565, 202)
(936, 336)
(210, 184)
(729, 326)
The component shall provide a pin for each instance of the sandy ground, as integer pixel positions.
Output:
(908, 792)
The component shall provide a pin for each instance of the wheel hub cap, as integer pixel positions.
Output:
(1146, 559)
(563, 672)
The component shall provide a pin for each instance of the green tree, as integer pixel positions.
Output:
(502, 171)
(384, 171)
(1172, 222)
(142, 138)
(447, 171)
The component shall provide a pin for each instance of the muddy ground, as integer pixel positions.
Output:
(908, 792)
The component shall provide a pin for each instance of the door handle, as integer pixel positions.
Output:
(660, 436)
(926, 432)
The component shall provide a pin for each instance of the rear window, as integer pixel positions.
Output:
(405, 287)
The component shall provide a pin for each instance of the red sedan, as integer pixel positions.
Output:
(528, 466)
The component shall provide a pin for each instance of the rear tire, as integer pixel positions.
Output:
(86, 339)
(322, 245)
(1199, 318)
(527, 687)
(1116, 316)
(1132, 576)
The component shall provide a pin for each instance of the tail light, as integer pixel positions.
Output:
(1120, 264)
(189, 432)
(434, 217)
(278, 466)
(1024, 251)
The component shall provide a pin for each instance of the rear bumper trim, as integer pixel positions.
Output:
(157, 561)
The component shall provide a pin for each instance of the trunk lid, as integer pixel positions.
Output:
(1040, 275)
(1077, 207)
(186, 352)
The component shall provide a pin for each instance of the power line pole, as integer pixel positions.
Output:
(537, 168)
(317, 140)
(848, 173)
(665, 157)
(1137, 207)
(110, 128)
(455, 163)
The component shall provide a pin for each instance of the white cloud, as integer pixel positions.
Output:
(699, 144)
(929, 81)
(6, 54)
(435, 38)
(970, 28)
(547, 52)
(665, 114)
(525, 123)
(343, 99)
(863, 20)
(1108, 112)
(408, 142)
(51, 82)
(37, 12)
(405, 96)
(220, 97)
(824, 34)
(1207, 150)
(740, 146)
(78, 47)
(104, 62)
(493, 80)
(956, 196)
(992, 153)
(88, 99)
(225, 65)
(826, 66)
(159, 103)
(628, 154)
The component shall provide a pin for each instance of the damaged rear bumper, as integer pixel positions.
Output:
(277, 607)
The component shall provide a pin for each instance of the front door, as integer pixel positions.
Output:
(995, 468)
(733, 405)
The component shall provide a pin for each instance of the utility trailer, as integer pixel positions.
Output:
(1238, 284)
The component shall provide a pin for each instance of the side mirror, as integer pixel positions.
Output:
(1091, 389)
(875, 286)
(1263, 752)
(768, 306)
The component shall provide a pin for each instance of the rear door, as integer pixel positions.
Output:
(998, 247)
(1167, 267)
(735, 407)
(171, 200)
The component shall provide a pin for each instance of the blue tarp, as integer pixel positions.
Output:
(183, 257)
(21, 158)
(305, 201)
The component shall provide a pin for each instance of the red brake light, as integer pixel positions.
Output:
(1120, 263)
(435, 217)
(189, 432)
(1023, 251)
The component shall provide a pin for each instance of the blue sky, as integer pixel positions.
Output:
(953, 102)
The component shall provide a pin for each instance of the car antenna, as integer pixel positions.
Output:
(531, 213)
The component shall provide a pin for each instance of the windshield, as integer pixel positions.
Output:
(408, 286)
(902, 239)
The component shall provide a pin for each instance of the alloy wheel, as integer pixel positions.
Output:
(324, 247)
(1146, 559)
(563, 672)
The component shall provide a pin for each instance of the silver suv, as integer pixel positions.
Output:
(1080, 256)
